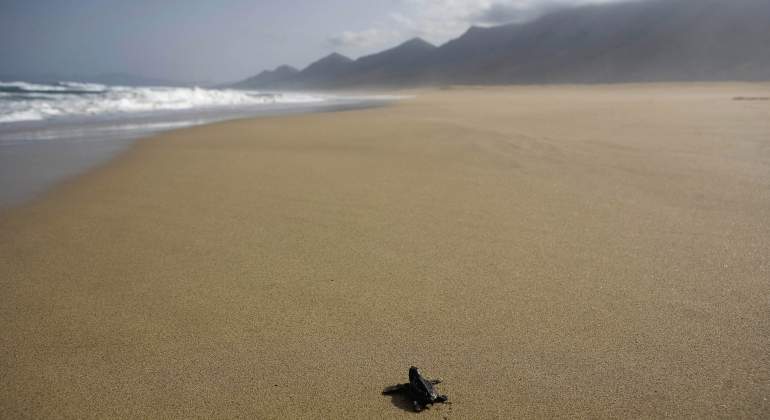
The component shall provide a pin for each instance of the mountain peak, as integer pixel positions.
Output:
(332, 60)
(268, 78)
(335, 57)
(327, 67)
(285, 69)
(418, 42)
(473, 29)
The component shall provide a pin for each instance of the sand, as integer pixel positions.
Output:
(599, 251)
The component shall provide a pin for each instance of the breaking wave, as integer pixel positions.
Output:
(20, 101)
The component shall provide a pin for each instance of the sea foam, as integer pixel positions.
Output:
(20, 101)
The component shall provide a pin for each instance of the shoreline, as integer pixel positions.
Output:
(30, 168)
(580, 251)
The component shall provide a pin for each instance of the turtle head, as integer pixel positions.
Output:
(415, 376)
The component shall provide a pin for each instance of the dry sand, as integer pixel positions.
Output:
(548, 251)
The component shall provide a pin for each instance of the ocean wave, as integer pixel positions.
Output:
(60, 87)
(20, 101)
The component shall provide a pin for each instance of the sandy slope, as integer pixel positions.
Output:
(561, 251)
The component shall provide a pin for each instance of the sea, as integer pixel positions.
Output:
(53, 131)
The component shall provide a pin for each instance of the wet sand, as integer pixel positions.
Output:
(36, 156)
(564, 251)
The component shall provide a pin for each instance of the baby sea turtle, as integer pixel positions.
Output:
(420, 390)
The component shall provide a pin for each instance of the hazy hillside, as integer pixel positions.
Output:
(640, 41)
(324, 72)
(654, 40)
(268, 77)
(394, 66)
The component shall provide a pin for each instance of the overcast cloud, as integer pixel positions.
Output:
(441, 20)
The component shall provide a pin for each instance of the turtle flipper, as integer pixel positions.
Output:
(394, 389)
(435, 381)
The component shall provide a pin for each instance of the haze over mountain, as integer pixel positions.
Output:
(640, 41)
(269, 77)
(326, 70)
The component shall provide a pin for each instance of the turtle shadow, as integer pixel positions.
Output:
(401, 400)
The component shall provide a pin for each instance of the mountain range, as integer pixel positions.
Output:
(636, 41)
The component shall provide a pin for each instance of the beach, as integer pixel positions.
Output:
(564, 251)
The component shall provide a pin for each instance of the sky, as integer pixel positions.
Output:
(228, 40)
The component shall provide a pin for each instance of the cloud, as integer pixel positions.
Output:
(369, 38)
(441, 20)
(444, 19)
(501, 13)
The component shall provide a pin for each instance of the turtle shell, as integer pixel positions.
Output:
(422, 389)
